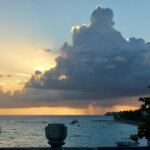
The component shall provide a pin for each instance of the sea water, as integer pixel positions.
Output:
(29, 131)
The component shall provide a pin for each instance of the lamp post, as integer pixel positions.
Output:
(56, 133)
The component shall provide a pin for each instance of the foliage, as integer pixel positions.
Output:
(129, 115)
(134, 116)
(144, 127)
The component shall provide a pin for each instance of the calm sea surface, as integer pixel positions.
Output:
(28, 131)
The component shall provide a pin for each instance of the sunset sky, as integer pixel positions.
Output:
(73, 57)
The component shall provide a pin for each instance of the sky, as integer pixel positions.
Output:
(73, 57)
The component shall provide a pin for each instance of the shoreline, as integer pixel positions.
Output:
(118, 121)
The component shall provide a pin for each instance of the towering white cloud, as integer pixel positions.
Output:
(99, 63)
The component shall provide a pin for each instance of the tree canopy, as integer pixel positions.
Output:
(144, 127)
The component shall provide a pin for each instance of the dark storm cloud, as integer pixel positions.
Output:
(56, 98)
(99, 64)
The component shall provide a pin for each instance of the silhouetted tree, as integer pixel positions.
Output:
(144, 127)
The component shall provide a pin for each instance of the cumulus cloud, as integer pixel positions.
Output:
(99, 64)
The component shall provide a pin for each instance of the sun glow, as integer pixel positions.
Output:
(25, 59)
(42, 111)
(38, 68)
(90, 110)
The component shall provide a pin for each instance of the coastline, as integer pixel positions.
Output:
(118, 121)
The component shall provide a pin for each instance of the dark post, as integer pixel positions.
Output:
(56, 133)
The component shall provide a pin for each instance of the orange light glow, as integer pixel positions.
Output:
(63, 110)
(38, 68)
(11, 86)
(42, 111)
(117, 108)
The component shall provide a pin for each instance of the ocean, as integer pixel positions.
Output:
(29, 131)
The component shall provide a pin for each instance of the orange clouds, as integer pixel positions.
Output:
(42, 111)
(91, 110)
(97, 110)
